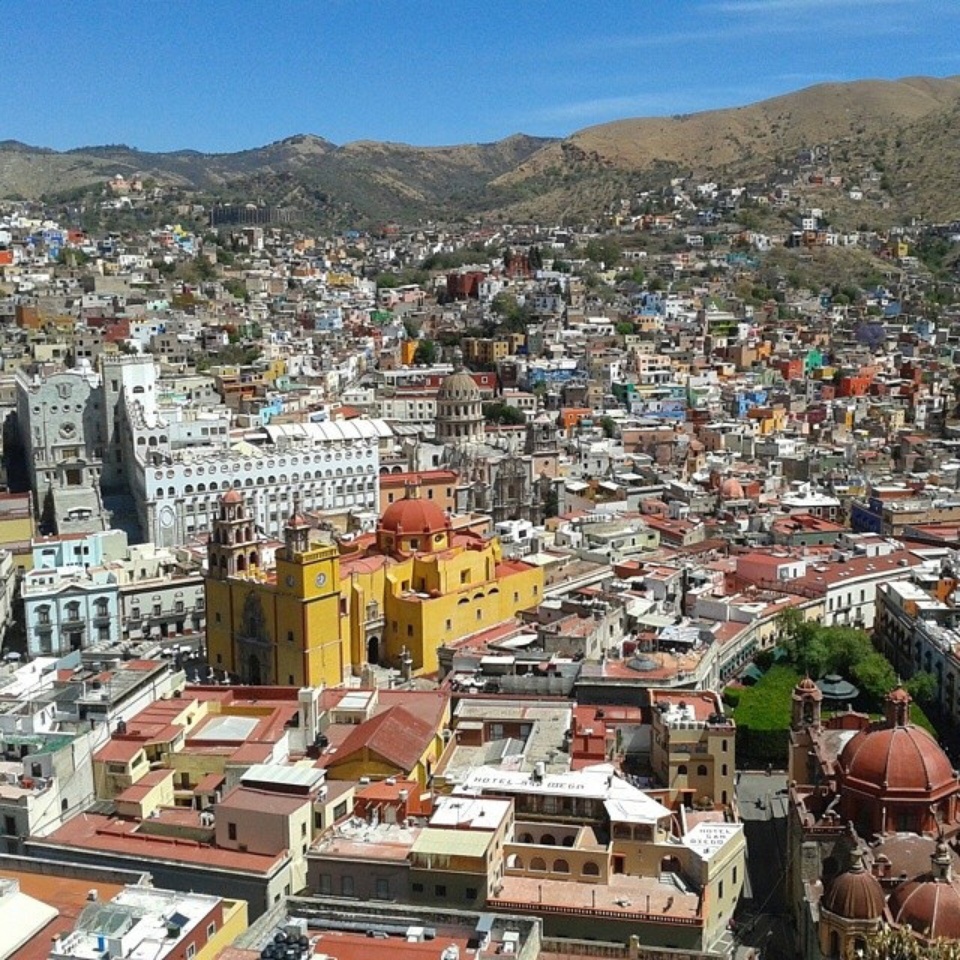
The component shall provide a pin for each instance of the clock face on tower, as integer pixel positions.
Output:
(321, 579)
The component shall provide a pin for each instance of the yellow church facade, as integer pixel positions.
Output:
(393, 598)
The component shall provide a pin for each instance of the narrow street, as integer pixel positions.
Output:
(763, 927)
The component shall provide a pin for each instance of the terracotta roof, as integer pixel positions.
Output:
(414, 515)
(395, 735)
(118, 751)
(929, 906)
(261, 801)
(855, 894)
(106, 835)
(67, 894)
(896, 759)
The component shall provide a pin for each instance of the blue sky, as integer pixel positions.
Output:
(229, 74)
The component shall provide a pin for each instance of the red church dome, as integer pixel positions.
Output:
(856, 894)
(411, 515)
(930, 904)
(731, 489)
(896, 759)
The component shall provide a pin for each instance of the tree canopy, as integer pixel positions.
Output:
(603, 250)
(609, 427)
(900, 943)
(818, 650)
(512, 314)
(499, 412)
(426, 353)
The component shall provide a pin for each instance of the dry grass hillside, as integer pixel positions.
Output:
(907, 130)
(750, 135)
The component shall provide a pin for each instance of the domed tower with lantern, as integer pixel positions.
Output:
(894, 776)
(891, 783)
(233, 549)
(851, 909)
(459, 410)
(930, 904)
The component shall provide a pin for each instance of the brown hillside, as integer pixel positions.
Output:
(760, 131)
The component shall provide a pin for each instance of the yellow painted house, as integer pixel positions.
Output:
(394, 597)
(387, 734)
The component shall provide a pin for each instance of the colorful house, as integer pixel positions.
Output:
(392, 597)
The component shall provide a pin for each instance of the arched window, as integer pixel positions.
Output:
(561, 866)
(590, 869)
(538, 863)
(682, 770)
(548, 840)
(702, 770)
(526, 838)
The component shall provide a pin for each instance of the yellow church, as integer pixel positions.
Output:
(393, 597)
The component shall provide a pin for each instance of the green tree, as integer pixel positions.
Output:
(901, 943)
(636, 275)
(504, 305)
(923, 687)
(605, 250)
(875, 675)
(802, 641)
(624, 328)
(236, 288)
(513, 316)
(499, 412)
(609, 427)
(846, 648)
(426, 353)
(72, 257)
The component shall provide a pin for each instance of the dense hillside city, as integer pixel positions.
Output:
(334, 538)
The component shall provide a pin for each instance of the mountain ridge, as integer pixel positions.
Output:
(904, 125)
